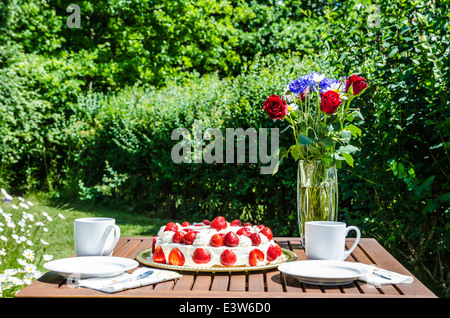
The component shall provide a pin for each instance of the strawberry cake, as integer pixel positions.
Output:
(216, 243)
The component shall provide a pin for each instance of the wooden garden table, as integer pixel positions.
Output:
(253, 284)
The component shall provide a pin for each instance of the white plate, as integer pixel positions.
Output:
(91, 266)
(319, 272)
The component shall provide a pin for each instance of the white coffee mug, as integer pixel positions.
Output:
(325, 240)
(95, 236)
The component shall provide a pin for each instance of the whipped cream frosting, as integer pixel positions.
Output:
(202, 239)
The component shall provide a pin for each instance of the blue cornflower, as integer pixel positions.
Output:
(298, 86)
(326, 83)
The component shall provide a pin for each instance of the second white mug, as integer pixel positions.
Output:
(325, 240)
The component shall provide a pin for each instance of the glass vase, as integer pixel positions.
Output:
(317, 194)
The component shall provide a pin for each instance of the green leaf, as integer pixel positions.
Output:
(313, 150)
(347, 149)
(354, 130)
(295, 152)
(326, 142)
(348, 159)
(445, 197)
(304, 140)
(431, 206)
(428, 181)
(355, 116)
(286, 128)
(345, 135)
(282, 153)
(393, 51)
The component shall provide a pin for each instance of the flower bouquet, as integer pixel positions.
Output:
(324, 125)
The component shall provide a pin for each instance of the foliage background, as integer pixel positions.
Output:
(87, 113)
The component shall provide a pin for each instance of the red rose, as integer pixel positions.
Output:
(330, 101)
(275, 107)
(357, 82)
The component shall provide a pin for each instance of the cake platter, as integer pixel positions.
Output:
(145, 257)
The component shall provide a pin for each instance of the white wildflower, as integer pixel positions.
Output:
(29, 242)
(61, 216)
(30, 268)
(14, 206)
(30, 203)
(47, 257)
(28, 279)
(3, 278)
(21, 199)
(317, 77)
(2, 252)
(22, 223)
(28, 254)
(44, 242)
(24, 205)
(22, 262)
(3, 238)
(10, 272)
(16, 281)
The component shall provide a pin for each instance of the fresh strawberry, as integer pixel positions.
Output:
(189, 237)
(176, 257)
(185, 224)
(256, 257)
(248, 224)
(272, 253)
(260, 227)
(256, 239)
(216, 240)
(267, 232)
(279, 250)
(158, 256)
(201, 256)
(228, 258)
(206, 222)
(154, 242)
(231, 239)
(236, 223)
(219, 223)
(178, 237)
(244, 231)
(171, 227)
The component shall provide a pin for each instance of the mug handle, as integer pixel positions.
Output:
(358, 237)
(107, 251)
